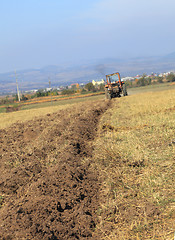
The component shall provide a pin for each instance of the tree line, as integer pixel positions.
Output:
(144, 80)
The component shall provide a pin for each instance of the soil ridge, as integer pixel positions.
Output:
(49, 191)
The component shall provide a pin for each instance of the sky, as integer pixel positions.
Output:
(37, 33)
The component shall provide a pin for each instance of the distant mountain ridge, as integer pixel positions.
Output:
(86, 71)
(170, 56)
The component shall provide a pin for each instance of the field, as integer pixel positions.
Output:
(41, 102)
(91, 169)
(30, 111)
(135, 154)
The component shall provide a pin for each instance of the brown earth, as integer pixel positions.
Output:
(12, 109)
(48, 189)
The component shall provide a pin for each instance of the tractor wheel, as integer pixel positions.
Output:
(107, 94)
(125, 90)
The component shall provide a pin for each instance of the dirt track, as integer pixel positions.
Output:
(49, 191)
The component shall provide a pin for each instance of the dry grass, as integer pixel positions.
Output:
(6, 119)
(29, 112)
(135, 157)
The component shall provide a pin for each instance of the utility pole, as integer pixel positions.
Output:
(49, 83)
(17, 87)
(50, 89)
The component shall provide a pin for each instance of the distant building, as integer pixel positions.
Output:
(48, 89)
(32, 91)
(102, 81)
(165, 74)
(128, 79)
(62, 87)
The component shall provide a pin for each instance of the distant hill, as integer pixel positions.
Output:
(87, 71)
(169, 56)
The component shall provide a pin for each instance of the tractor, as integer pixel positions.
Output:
(114, 86)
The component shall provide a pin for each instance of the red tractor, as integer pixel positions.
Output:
(114, 86)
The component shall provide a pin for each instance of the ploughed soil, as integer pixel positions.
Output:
(12, 109)
(47, 188)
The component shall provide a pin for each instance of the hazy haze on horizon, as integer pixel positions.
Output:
(39, 33)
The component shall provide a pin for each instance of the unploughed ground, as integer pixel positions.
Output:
(47, 190)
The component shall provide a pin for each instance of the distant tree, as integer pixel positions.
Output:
(90, 87)
(15, 97)
(33, 96)
(143, 81)
(74, 86)
(171, 77)
(68, 92)
(160, 79)
(149, 80)
(128, 83)
(55, 92)
(24, 98)
(101, 87)
(83, 91)
(28, 96)
(6, 100)
(39, 93)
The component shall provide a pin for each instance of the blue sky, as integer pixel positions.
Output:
(36, 33)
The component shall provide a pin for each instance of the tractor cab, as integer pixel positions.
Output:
(114, 86)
